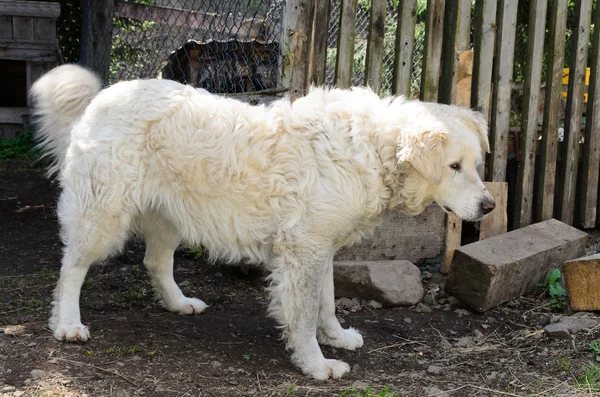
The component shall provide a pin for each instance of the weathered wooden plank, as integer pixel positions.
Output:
(570, 149)
(488, 273)
(405, 41)
(546, 174)
(44, 29)
(12, 115)
(28, 52)
(497, 221)
(457, 23)
(30, 8)
(452, 241)
(432, 57)
(485, 37)
(591, 147)
(373, 62)
(582, 278)
(401, 237)
(295, 41)
(529, 120)
(502, 80)
(319, 44)
(345, 52)
(6, 27)
(22, 28)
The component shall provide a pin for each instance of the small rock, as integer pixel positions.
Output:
(355, 367)
(569, 325)
(360, 385)
(184, 283)
(492, 376)
(491, 319)
(435, 370)
(429, 298)
(407, 320)
(136, 358)
(462, 312)
(215, 364)
(27, 382)
(233, 382)
(465, 341)
(445, 344)
(425, 275)
(453, 301)
(18, 393)
(421, 308)
(557, 331)
(7, 389)
(513, 303)
(374, 304)
(478, 334)
(341, 321)
(37, 374)
(346, 303)
(435, 392)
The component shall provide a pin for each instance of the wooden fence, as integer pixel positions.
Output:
(547, 177)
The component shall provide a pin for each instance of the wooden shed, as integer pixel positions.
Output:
(28, 48)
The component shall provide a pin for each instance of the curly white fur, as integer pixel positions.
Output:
(284, 185)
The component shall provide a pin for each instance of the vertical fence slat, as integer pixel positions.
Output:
(502, 78)
(345, 52)
(432, 58)
(405, 40)
(319, 43)
(374, 60)
(570, 148)
(546, 174)
(528, 133)
(457, 22)
(295, 36)
(485, 37)
(591, 155)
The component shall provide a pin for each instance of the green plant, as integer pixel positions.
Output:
(595, 348)
(290, 390)
(246, 357)
(19, 147)
(564, 364)
(115, 351)
(196, 253)
(222, 299)
(591, 379)
(556, 292)
(132, 349)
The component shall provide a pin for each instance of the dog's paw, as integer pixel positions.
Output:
(72, 332)
(326, 368)
(187, 306)
(349, 339)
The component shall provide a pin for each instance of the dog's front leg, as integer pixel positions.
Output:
(296, 283)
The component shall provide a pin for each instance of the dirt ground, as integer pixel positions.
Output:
(436, 349)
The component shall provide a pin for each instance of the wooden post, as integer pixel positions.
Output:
(405, 41)
(546, 174)
(434, 34)
(485, 40)
(502, 80)
(96, 36)
(375, 45)
(319, 42)
(591, 147)
(570, 148)
(295, 42)
(528, 138)
(345, 54)
(457, 23)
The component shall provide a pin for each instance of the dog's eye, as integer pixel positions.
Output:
(455, 166)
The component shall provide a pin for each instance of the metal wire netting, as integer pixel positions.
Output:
(222, 46)
(360, 47)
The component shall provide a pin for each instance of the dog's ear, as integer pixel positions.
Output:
(475, 121)
(424, 152)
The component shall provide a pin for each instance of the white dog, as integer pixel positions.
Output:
(284, 185)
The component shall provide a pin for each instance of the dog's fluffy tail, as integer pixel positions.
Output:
(59, 99)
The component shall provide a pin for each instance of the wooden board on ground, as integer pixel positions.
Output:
(582, 278)
(497, 221)
(452, 239)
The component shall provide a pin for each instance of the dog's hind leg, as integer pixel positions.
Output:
(296, 282)
(90, 234)
(161, 241)
(329, 330)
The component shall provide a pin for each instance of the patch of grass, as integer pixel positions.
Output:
(595, 348)
(132, 349)
(133, 294)
(563, 364)
(113, 351)
(196, 253)
(290, 390)
(591, 379)
(555, 291)
(89, 353)
(246, 357)
(19, 147)
(369, 392)
(48, 275)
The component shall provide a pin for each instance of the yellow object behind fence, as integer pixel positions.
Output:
(565, 82)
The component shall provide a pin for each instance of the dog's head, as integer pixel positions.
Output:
(440, 150)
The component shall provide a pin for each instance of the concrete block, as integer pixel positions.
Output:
(392, 283)
(490, 272)
(401, 237)
(582, 281)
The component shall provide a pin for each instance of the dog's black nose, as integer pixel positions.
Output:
(487, 205)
